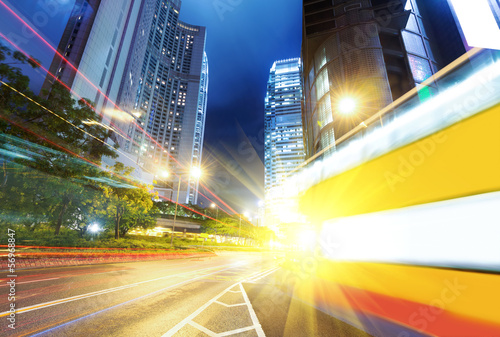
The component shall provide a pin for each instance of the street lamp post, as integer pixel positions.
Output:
(239, 230)
(213, 205)
(175, 213)
(239, 227)
(195, 173)
(216, 217)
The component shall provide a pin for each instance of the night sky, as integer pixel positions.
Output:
(244, 38)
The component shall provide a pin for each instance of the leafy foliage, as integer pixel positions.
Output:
(50, 153)
(51, 175)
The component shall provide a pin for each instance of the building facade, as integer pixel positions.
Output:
(73, 42)
(170, 101)
(147, 74)
(94, 49)
(284, 148)
(371, 52)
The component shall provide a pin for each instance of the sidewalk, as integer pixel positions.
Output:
(27, 260)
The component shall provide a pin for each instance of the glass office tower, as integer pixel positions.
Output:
(284, 148)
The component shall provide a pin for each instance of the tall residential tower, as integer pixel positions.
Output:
(284, 148)
(171, 101)
(147, 73)
(94, 57)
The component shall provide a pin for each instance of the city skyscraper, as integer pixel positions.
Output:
(95, 47)
(368, 53)
(284, 148)
(141, 57)
(73, 42)
(171, 100)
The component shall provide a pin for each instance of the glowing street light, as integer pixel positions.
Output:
(196, 172)
(165, 174)
(214, 205)
(347, 106)
(94, 229)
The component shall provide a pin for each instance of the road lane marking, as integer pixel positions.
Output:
(261, 274)
(62, 276)
(65, 300)
(255, 320)
(134, 299)
(47, 279)
(203, 329)
(96, 293)
(230, 305)
(189, 319)
(264, 275)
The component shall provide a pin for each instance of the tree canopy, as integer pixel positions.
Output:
(51, 151)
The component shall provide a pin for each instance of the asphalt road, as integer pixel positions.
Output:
(233, 294)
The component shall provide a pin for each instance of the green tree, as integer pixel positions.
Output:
(225, 226)
(129, 206)
(11, 74)
(51, 134)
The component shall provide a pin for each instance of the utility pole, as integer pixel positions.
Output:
(175, 213)
(239, 231)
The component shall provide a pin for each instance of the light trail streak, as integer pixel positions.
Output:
(94, 86)
(100, 114)
(49, 141)
(67, 87)
(228, 225)
(50, 111)
(72, 320)
(58, 116)
(95, 164)
(206, 189)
